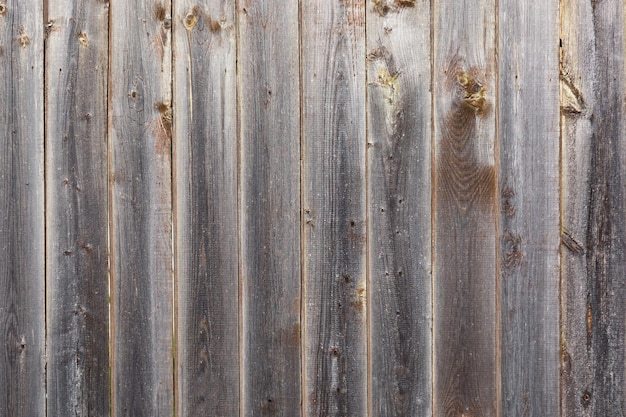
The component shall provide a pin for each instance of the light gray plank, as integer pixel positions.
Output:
(594, 212)
(77, 208)
(334, 208)
(529, 207)
(140, 173)
(22, 235)
(269, 92)
(464, 290)
(205, 150)
(399, 187)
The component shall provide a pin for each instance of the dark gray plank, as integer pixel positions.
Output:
(529, 207)
(269, 92)
(205, 150)
(140, 174)
(22, 235)
(334, 208)
(77, 209)
(399, 186)
(464, 226)
(594, 211)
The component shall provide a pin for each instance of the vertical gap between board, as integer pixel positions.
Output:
(432, 204)
(45, 203)
(368, 290)
(562, 340)
(240, 340)
(110, 219)
(303, 394)
(173, 226)
(497, 210)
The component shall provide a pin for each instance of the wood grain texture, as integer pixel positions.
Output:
(464, 290)
(529, 207)
(205, 150)
(399, 187)
(22, 235)
(334, 209)
(594, 211)
(77, 208)
(269, 92)
(141, 252)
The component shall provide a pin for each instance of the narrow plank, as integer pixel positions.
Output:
(529, 207)
(334, 208)
(205, 174)
(399, 204)
(464, 226)
(22, 234)
(268, 93)
(594, 211)
(77, 208)
(140, 175)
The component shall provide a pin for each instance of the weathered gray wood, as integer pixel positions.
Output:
(334, 208)
(594, 212)
(464, 227)
(140, 173)
(399, 187)
(269, 92)
(22, 279)
(77, 209)
(529, 207)
(205, 150)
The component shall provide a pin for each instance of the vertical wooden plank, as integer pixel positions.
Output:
(464, 227)
(140, 173)
(206, 208)
(22, 285)
(77, 208)
(269, 92)
(399, 195)
(594, 212)
(529, 207)
(335, 223)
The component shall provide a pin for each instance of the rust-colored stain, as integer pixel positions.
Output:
(359, 301)
(163, 128)
(159, 12)
(589, 323)
(291, 337)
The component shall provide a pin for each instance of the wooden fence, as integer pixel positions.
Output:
(312, 208)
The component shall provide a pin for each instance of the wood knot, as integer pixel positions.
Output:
(473, 92)
(190, 21)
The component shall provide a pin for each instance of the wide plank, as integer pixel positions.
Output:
(140, 178)
(205, 175)
(77, 208)
(334, 208)
(528, 127)
(399, 207)
(22, 233)
(594, 211)
(269, 215)
(464, 226)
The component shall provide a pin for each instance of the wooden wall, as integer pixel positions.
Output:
(308, 208)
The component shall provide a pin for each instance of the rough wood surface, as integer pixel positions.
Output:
(269, 92)
(334, 210)
(140, 175)
(205, 150)
(22, 288)
(594, 211)
(77, 208)
(529, 207)
(464, 291)
(399, 187)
